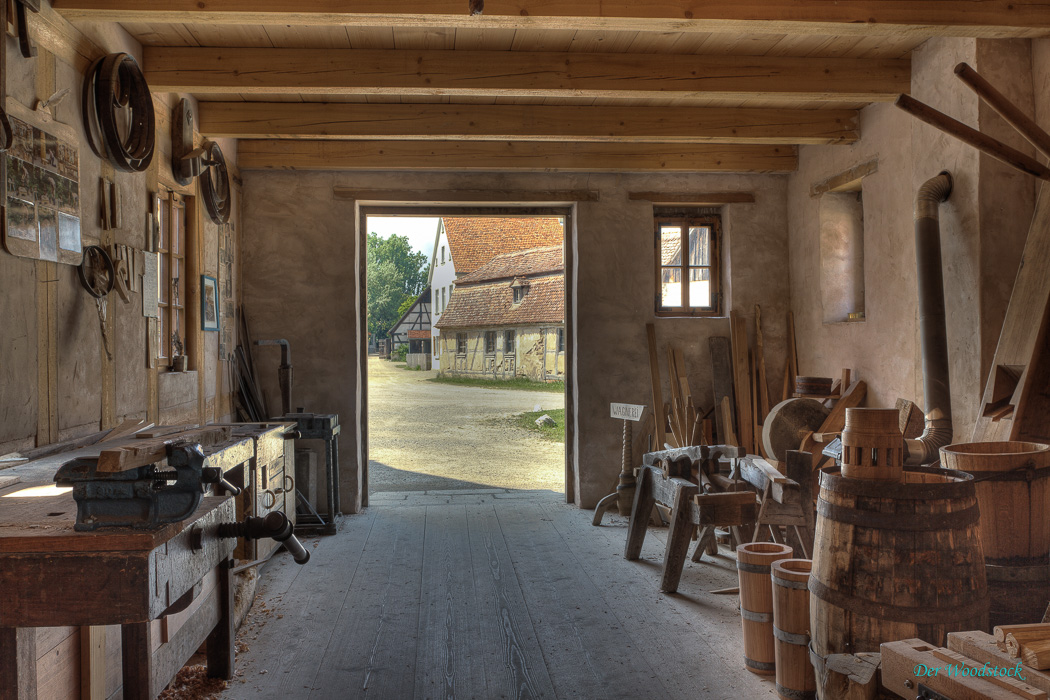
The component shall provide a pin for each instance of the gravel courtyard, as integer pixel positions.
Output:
(426, 436)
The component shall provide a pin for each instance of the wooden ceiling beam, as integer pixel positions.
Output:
(516, 156)
(525, 123)
(520, 73)
(987, 18)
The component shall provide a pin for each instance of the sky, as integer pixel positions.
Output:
(420, 230)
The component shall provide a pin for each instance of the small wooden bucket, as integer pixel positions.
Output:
(1013, 488)
(753, 563)
(795, 677)
(872, 445)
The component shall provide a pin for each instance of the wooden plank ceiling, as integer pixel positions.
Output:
(634, 85)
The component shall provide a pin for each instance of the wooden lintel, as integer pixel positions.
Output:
(443, 122)
(695, 198)
(467, 196)
(514, 156)
(989, 18)
(845, 179)
(520, 74)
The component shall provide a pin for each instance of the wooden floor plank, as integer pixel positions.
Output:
(449, 624)
(284, 652)
(371, 653)
(588, 653)
(692, 631)
(509, 650)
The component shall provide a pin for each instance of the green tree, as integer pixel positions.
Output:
(397, 275)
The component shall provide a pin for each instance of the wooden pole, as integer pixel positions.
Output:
(982, 142)
(1024, 124)
(626, 488)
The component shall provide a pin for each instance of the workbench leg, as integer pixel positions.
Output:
(18, 663)
(221, 652)
(643, 506)
(137, 660)
(335, 481)
(707, 536)
(678, 539)
(607, 503)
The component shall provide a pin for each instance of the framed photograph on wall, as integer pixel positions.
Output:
(209, 303)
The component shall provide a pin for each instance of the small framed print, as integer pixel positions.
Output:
(209, 303)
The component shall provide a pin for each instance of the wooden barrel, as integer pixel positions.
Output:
(872, 445)
(895, 561)
(795, 678)
(1013, 491)
(753, 564)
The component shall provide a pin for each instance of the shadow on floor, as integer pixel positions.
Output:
(384, 478)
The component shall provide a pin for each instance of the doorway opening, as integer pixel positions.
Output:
(469, 347)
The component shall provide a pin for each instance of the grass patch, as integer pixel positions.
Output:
(516, 383)
(555, 434)
(405, 367)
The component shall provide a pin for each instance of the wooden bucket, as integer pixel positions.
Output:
(1013, 491)
(753, 564)
(895, 561)
(795, 678)
(872, 445)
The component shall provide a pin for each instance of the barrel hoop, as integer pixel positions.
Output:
(962, 486)
(752, 568)
(793, 694)
(1039, 572)
(897, 613)
(1024, 472)
(755, 616)
(956, 520)
(759, 665)
(801, 640)
(817, 661)
(787, 583)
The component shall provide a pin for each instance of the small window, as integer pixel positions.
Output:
(444, 297)
(490, 342)
(508, 342)
(561, 340)
(461, 343)
(688, 274)
(437, 302)
(519, 293)
(442, 255)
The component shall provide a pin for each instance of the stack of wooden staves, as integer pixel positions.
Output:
(1029, 643)
(741, 392)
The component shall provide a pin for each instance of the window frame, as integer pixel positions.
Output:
(684, 223)
(172, 307)
(560, 342)
(461, 344)
(509, 340)
(490, 342)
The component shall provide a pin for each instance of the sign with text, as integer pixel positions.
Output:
(627, 411)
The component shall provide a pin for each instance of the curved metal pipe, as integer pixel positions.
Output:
(932, 325)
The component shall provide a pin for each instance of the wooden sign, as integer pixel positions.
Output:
(626, 411)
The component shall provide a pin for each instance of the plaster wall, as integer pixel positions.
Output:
(44, 310)
(442, 278)
(301, 235)
(983, 225)
(535, 355)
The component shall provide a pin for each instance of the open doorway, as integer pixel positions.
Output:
(469, 350)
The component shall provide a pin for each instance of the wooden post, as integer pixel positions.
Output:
(678, 537)
(18, 663)
(137, 658)
(221, 651)
(93, 663)
(625, 489)
(643, 507)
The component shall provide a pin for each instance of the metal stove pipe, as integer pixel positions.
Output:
(932, 326)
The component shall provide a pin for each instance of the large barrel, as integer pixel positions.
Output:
(795, 679)
(872, 445)
(895, 561)
(753, 563)
(1013, 491)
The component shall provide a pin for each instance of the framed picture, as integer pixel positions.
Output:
(209, 303)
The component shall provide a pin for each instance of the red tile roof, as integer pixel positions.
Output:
(487, 305)
(537, 261)
(474, 240)
(419, 335)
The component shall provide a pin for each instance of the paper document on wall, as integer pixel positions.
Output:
(150, 285)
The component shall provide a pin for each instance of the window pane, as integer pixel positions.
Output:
(176, 282)
(671, 287)
(163, 225)
(176, 230)
(700, 288)
(165, 333)
(670, 245)
(699, 245)
(163, 279)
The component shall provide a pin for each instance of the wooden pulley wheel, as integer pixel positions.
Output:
(215, 184)
(788, 422)
(96, 271)
(118, 112)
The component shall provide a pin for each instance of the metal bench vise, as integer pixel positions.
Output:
(141, 497)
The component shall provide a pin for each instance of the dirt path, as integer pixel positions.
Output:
(428, 436)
